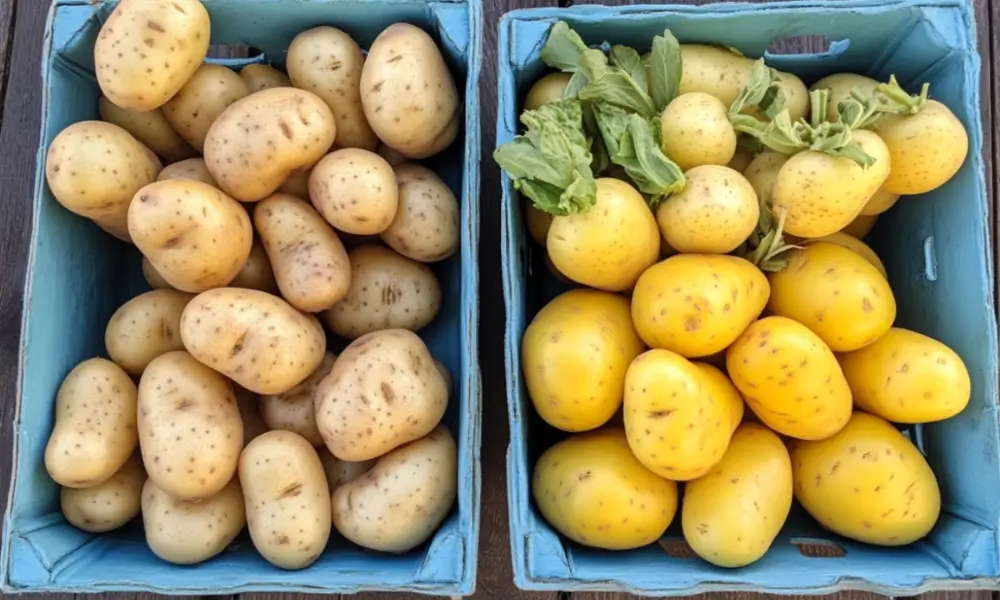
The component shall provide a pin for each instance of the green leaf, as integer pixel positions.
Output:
(761, 91)
(628, 60)
(895, 100)
(563, 48)
(632, 145)
(778, 134)
(576, 83)
(665, 69)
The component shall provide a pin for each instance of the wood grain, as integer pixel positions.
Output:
(7, 14)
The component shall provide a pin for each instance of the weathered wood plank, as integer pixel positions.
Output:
(7, 15)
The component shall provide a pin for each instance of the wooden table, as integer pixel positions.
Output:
(21, 29)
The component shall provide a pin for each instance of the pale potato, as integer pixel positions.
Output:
(153, 277)
(388, 291)
(263, 77)
(426, 224)
(257, 274)
(339, 472)
(149, 127)
(192, 168)
(295, 410)
(404, 498)
(107, 505)
(383, 392)
(389, 155)
(355, 191)
(449, 385)
(145, 327)
(297, 184)
(209, 92)
(249, 405)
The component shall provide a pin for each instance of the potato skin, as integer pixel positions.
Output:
(389, 155)
(762, 172)
(258, 340)
(291, 129)
(294, 410)
(699, 131)
(538, 222)
(95, 428)
(880, 202)
(717, 384)
(287, 499)
(263, 77)
(592, 489)
(861, 226)
(715, 213)
(926, 149)
(195, 236)
(186, 533)
(425, 226)
(257, 273)
(192, 168)
(249, 405)
(107, 505)
(404, 498)
(153, 277)
(151, 128)
(355, 190)
(388, 291)
(203, 98)
(840, 86)
(190, 430)
(854, 245)
(148, 49)
(384, 391)
(548, 88)
(145, 327)
(339, 472)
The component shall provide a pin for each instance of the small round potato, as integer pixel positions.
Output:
(309, 261)
(107, 505)
(192, 168)
(153, 277)
(190, 430)
(149, 127)
(260, 140)
(426, 224)
(547, 89)
(404, 498)
(94, 169)
(696, 131)
(355, 191)
(184, 532)
(253, 422)
(263, 77)
(195, 236)
(715, 213)
(145, 327)
(258, 340)
(203, 98)
(389, 155)
(297, 184)
(287, 499)
(388, 291)
(257, 274)
(383, 392)
(339, 472)
(295, 410)
(327, 62)
(95, 426)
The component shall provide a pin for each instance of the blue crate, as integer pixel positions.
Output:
(937, 252)
(68, 301)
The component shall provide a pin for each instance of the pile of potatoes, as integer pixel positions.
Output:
(220, 404)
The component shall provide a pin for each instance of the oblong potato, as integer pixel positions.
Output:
(203, 98)
(425, 227)
(404, 498)
(287, 499)
(388, 291)
(192, 168)
(107, 505)
(339, 472)
(145, 327)
(355, 191)
(257, 274)
(95, 428)
(149, 127)
(309, 261)
(263, 77)
(258, 340)
(260, 140)
(295, 410)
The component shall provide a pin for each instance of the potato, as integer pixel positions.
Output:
(95, 425)
(202, 99)
(840, 86)
(696, 131)
(310, 264)
(287, 499)
(574, 355)
(355, 191)
(192, 168)
(107, 505)
(190, 431)
(790, 379)
(926, 149)
(185, 532)
(258, 340)
(907, 377)
(717, 384)
(249, 405)
(148, 49)
(195, 236)
(538, 222)
(408, 94)
(263, 77)
(289, 130)
(294, 410)
(867, 483)
(388, 291)
(328, 62)
(861, 226)
(715, 213)
(741, 160)
(384, 391)
(697, 305)
(675, 426)
(836, 293)
(446, 374)
(880, 202)
(297, 184)
(591, 489)
(425, 226)
(257, 273)
(762, 172)
(855, 245)
(548, 88)
(716, 517)
(389, 155)
(404, 498)
(93, 169)
(153, 277)
(145, 327)
(151, 128)
(339, 472)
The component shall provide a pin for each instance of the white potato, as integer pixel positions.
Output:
(294, 410)
(107, 505)
(355, 191)
(205, 96)
(426, 224)
(145, 327)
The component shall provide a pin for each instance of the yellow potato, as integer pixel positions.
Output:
(548, 88)
(328, 62)
(696, 131)
(149, 127)
(339, 472)
(591, 489)
(297, 184)
(148, 49)
(675, 426)
(145, 327)
(203, 98)
(355, 191)
(195, 236)
(259, 141)
(861, 226)
(153, 277)
(840, 86)
(287, 499)
(715, 213)
(907, 377)
(867, 483)
(926, 149)
(258, 340)
(309, 261)
(855, 245)
(731, 516)
(426, 224)
(741, 160)
(575, 354)
(717, 384)
(249, 405)
(408, 94)
(404, 498)
(107, 505)
(263, 77)
(388, 291)
(95, 425)
(880, 202)
(192, 168)
(190, 430)
(294, 410)
(93, 169)
(790, 379)
(257, 273)
(762, 172)
(696, 304)
(538, 222)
